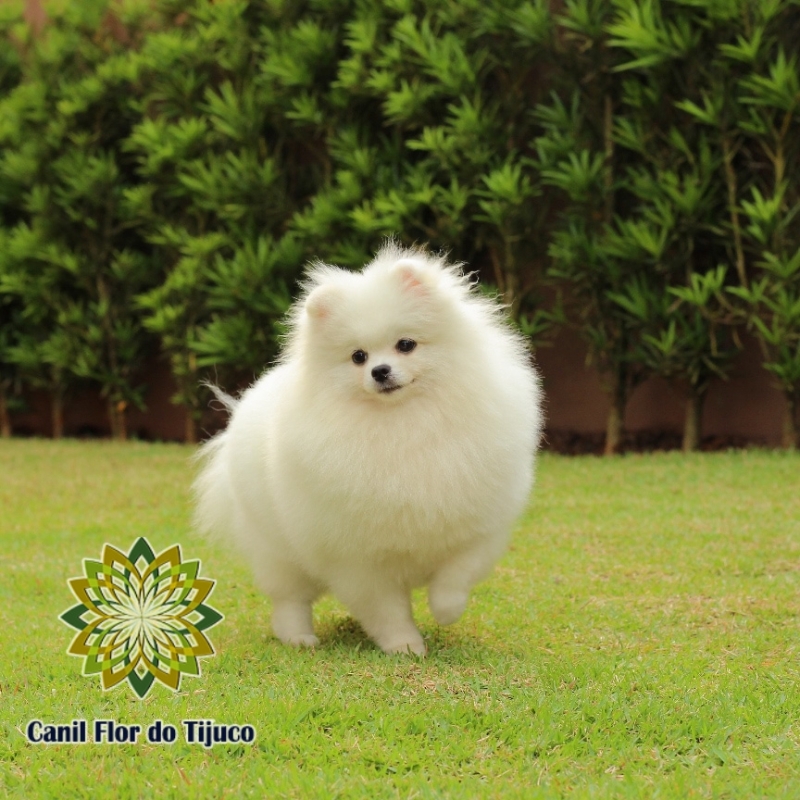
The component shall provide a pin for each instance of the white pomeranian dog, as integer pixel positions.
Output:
(391, 447)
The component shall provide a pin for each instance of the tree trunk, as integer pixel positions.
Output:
(733, 208)
(616, 417)
(608, 161)
(118, 420)
(112, 419)
(511, 293)
(57, 414)
(693, 423)
(190, 428)
(122, 422)
(789, 432)
(5, 417)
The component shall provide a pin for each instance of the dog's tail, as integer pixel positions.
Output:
(229, 402)
(213, 496)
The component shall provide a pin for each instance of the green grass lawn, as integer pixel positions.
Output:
(641, 639)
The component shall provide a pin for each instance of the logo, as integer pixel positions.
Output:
(141, 617)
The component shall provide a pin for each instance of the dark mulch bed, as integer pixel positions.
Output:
(566, 442)
(576, 443)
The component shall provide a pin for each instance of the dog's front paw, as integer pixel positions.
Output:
(291, 623)
(406, 646)
(447, 605)
(301, 640)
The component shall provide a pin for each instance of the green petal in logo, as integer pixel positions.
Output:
(141, 617)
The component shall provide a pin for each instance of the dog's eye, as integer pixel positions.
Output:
(359, 357)
(406, 345)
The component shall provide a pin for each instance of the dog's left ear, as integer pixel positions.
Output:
(414, 275)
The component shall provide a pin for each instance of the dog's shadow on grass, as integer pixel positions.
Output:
(343, 635)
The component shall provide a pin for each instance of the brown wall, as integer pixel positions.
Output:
(85, 412)
(745, 409)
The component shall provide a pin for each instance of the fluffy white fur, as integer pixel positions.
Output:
(332, 481)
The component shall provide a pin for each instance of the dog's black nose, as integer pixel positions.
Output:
(381, 372)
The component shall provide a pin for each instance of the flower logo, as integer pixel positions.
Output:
(141, 617)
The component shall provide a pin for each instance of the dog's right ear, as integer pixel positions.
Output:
(320, 302)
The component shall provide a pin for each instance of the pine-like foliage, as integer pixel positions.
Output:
(11, 308)
(221, 175)
(168, 168)
(72, 259)
(645, 140)
(432, 139)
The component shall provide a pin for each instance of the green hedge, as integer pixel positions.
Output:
(166, 170)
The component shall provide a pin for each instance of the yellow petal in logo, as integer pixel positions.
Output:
(141, 617)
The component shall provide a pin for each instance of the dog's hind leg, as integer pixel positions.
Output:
(384, 611)
(450, 587)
